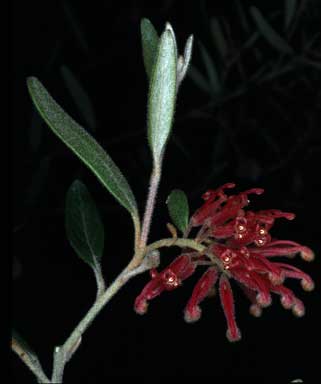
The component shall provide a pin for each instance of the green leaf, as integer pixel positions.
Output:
(242, 16)
(80, 97)
(219, 38)
(149, 43)
(85, 230)
(83, 145)
(76, 27)
(289, 12)
(269, 33)
(178, 209)
(162, 95)
(198, 78)
(211, 71)
(183, 62)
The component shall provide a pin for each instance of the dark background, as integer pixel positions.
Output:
(259, 128)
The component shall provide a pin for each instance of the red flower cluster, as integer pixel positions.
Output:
(238, 246)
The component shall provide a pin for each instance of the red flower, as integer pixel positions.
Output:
(240, 247)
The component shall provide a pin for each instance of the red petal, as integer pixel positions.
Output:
(255, 309)
(152, 289)
(227, 300)
(192, 311)
(296, 273)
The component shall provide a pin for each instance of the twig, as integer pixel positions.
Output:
(63, 353)
(30, 360)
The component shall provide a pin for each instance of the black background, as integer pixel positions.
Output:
(267, 137)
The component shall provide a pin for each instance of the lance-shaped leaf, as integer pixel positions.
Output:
(83, 145)
(211, 70)
(242, 16)
(76, 26)
(290, 7)
(269, 33)
(198, 79)
(183, 62)
(149, 43)
(80, 97)
(178, 209)
(219, 38)
(162, 95)
(85, 230)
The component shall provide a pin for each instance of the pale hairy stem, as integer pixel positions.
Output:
(63, 353)
(179, 242)
(30, 361)
(188, 243)
(150, 259)
(150, 204)
(99, 279)
(136, 222)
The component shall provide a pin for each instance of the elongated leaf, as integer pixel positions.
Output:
(85, 230)
(198, 78)
(83, 145)
(162, 95)
(289, 12)
(80, 97)
(211, 71)
(76, 27)
(219, 38)
(178, 209)
(150, 41)
(185, 60)
(242, 16)
(269, 33)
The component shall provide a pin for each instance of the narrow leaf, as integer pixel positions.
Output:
(211, 71)
(242, 15)
(185, 61)
(85, 230)
(80, 97)
(83, 145)
(269, 33)
(178, 209)
(219, 38)
(289, 12)
(75, 26)
(198, 78)
(162, 95)
(149, 43)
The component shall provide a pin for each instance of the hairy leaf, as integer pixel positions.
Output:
(150, 41)
(85, 230)
(83, 145)
(178, 209)
(162, 95)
